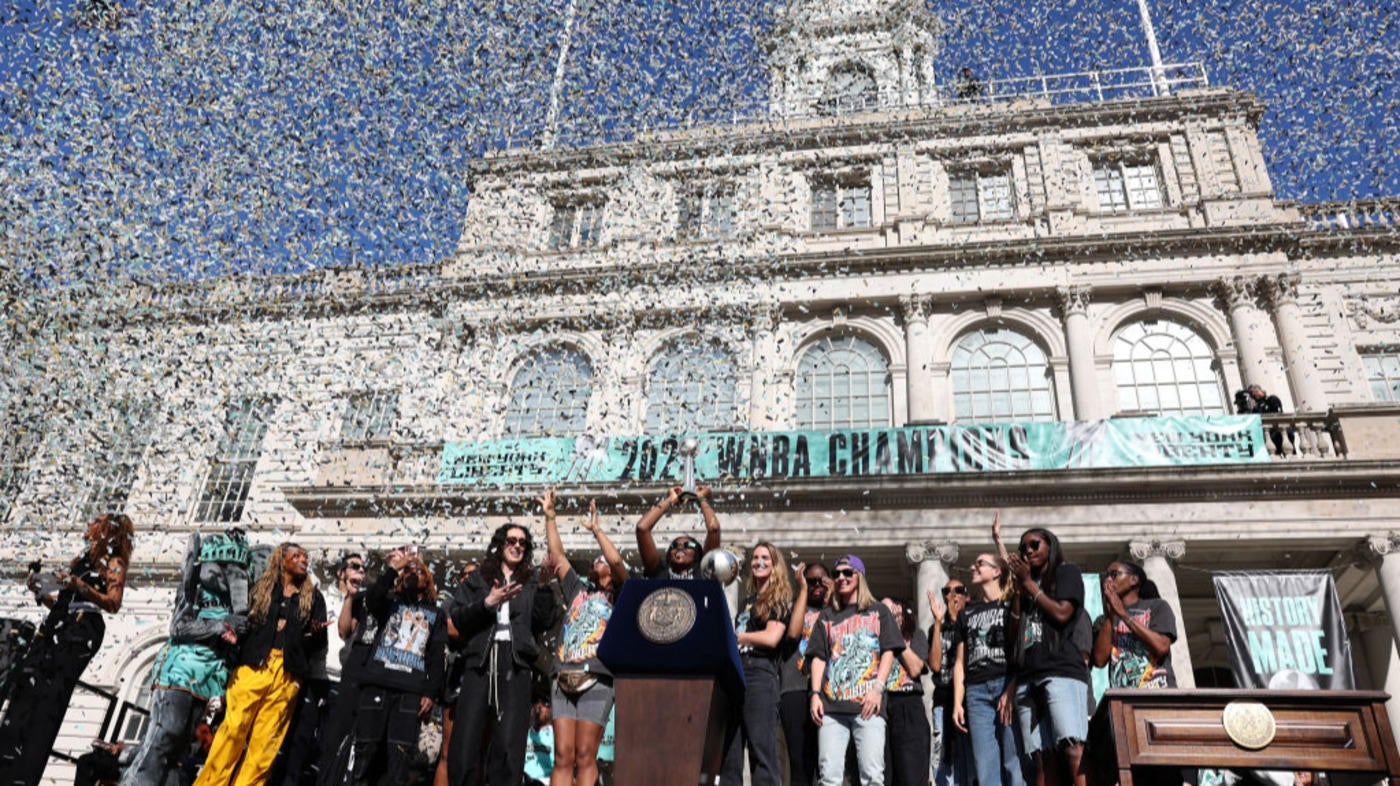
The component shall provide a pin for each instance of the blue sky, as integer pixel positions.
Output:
(227, 136)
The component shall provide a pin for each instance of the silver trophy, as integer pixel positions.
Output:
(688, 448)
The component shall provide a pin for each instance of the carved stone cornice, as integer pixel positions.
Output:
(1281, 289)
(1073, 300)
(1362, 310)
(917, 552)
(1166, 549)
(916, 308)
(1377, 547)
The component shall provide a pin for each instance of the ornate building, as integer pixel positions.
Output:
(873, 251)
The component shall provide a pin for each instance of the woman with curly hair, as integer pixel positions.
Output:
(67, 640)
(761, 625)
(286, 630)
(498, 611)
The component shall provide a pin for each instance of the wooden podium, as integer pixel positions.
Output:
(1313, 730)
(675, 662)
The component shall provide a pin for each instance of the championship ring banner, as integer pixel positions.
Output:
(859, 453)
(1285, 630)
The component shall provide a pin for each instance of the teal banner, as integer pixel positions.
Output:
(859, 453)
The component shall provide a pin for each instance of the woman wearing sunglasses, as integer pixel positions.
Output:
(851, 652)
(1052, 691)
(761, 625)
(498, 612)
(814, 589)
(909, 734)
(582, 686)
(951, 747)
(682, 560)
(983, 694)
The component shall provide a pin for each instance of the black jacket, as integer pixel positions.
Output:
(301, 642)
(413, 666)
(533, 612)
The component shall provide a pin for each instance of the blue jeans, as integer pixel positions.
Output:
(835, 735)
(952, 752)
(996, 747)
(1053, 713)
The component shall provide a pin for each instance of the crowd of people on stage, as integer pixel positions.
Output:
(829, 669)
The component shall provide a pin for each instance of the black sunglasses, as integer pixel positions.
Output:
(688, 544)
(845, 573)
(1030, 545)
(1113, 574)
(355, 565)
(957, 590)
(513, 540)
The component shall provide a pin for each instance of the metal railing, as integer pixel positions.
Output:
(1114, 84)
(1381, 213)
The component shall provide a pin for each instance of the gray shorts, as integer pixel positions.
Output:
(593, 705)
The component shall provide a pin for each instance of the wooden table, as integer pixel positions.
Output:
(1328, 731)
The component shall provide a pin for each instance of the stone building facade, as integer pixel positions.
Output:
(875, 250)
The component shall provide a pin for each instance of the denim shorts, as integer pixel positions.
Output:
(592, 705)
(1053, 713)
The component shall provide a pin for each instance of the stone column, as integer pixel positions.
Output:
(931, 563)
(1079, 338)
(1383, 554)
(918, 357)
(1154, 556)
(761, 402)
(1237, 295)
(1281, 291)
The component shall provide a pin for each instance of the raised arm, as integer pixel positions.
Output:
(996, 536)
(712, 539)
(799, 603)
(551, 532)
(935, 636)
(610, 552)
(646, 544)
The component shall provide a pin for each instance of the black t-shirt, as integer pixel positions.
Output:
(901, 681)
(746, 621)
(982, 633)
(1050, 648)
(852, 642)
(948, 643)
(1130, 665)
(794, 673)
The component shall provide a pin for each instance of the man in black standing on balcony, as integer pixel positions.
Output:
(1254, 401)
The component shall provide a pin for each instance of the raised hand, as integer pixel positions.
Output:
(502, 593)
(935, 606)
(591, 523)
(547, 501)
(800, 578)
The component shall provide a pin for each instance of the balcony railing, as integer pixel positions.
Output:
(1304, 436)
(1116, 84)
(1353, 214)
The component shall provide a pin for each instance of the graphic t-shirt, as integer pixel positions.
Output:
(1130, 665)
(584, 624)
(794, 674)
(404, 645)
(982, 633)
(901, 681)
(1050, 649)
(948, 643)
(746, 621)
(851, 642)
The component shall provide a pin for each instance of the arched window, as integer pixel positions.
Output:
(1167, 368)
(549, 395)
(1001, 375)
(843, 382)
(852, 88)
(691, 388)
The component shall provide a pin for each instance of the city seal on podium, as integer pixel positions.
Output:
(666, 615)
(1249, 724)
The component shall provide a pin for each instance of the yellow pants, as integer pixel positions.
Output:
(258, 709)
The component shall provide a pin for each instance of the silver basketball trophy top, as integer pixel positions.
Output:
(687, 450)
(720, 564)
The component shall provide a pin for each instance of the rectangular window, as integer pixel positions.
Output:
(231, 470)
(119, 462)
(576, 225)
(840, 204)
(1383, 374)
(1124, 185)
(981, 197)
(370, 416)
(1222, 162)
(707, 213)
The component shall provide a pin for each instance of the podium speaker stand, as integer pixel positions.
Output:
(671, 648)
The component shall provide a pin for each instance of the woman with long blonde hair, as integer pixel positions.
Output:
(984, 691)
(286, 630)
(761, 625)
(66, 642)
(852, 652)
